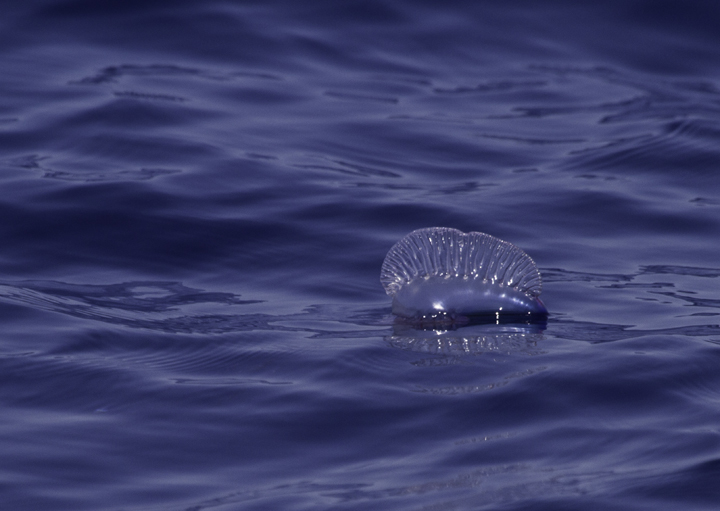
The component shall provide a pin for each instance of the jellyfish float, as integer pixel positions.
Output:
(439, 276)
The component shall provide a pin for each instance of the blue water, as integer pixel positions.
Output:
(196, 199)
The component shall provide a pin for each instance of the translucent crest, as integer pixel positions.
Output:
(445, 252)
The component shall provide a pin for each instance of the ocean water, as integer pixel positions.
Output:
(196, 199)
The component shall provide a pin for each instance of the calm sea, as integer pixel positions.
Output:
(196, 198)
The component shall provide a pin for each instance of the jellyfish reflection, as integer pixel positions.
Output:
(474, 337)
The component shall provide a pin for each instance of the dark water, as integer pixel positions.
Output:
(196, 198)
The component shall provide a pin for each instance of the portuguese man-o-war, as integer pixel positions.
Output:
(441, 275)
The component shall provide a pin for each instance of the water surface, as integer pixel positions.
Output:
(196, 198)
